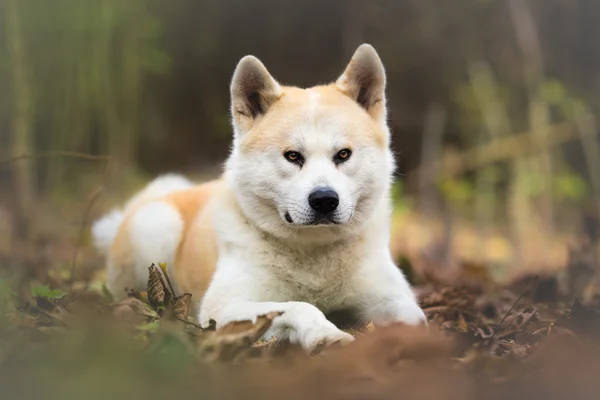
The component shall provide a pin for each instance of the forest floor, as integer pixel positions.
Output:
(62, 337)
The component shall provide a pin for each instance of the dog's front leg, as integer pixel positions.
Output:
(300, 322)
(383, 295)
(237, 294)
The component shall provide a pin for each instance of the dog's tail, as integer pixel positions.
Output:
(105, 229)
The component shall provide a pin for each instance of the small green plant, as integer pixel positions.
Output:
(46, 292)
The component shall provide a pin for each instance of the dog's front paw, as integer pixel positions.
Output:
(408, 313)
(308, 327)
(315, 338)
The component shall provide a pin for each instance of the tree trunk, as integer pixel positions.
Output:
(21, 135)
(127, 152)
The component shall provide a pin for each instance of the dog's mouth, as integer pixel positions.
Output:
(319, 220)
(323, 221)
(288, 218)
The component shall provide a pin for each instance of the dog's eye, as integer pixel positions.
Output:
(294, 157)
(342, 156)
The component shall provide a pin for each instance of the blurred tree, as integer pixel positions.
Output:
(22, 118)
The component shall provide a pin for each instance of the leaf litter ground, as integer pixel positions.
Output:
(530, 339)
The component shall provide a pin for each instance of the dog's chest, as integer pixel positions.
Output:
(322, 277)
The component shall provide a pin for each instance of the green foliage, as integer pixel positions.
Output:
(149, 31)
(155, 61)
(148, 327)
(553, 91)
(470, 105)
(399, 198)
(493, 174)
(171, 350)
(6, 298)
(397, 191)
(46, 292)
(566, 184)
(89, 63)
(534, 183)
(106, 293)
(457, 190)
(100, 288)
(569, 185)
(556, 93)
(62, 272)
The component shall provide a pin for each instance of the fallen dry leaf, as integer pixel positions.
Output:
(158, 293)
(130, 307)
(583, 319)
(462, 324)
(230, 342)
(181, 306)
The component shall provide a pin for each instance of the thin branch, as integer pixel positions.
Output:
(57, 153)
(519, 299)
(93, 197)
(195, 325)
(503, 149)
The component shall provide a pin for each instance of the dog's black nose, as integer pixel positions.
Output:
(323, 200)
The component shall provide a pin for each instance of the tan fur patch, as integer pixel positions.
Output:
(197, 252)
(294, 108)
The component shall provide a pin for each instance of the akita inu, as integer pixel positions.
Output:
(299, 222)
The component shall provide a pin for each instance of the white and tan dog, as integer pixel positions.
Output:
(299, 222)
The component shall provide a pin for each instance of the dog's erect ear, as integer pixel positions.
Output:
(364, 81)
(253, 91)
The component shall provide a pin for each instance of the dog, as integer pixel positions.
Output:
(299, 222)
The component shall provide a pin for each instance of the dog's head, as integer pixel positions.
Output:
(315, 161)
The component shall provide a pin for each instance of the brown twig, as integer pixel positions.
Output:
(518, 299)
(501, 150)
(167, 279)
(437, 309)
(93, 197)
(191, 323)
(57, 153)
(95, 194)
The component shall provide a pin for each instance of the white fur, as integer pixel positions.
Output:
(159, 187)
(154, 233)
(300, 322)
(268, 264)
(257, 274)
(105, 229)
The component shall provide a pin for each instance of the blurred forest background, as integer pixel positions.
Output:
(493, 107)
